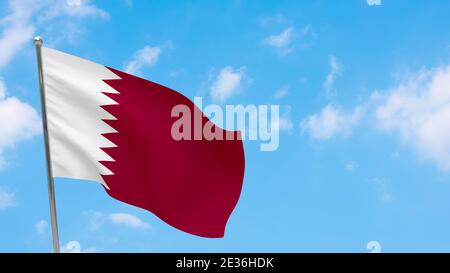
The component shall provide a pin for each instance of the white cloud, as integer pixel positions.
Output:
(284, 123)
(41, 226)
(373, 2)
(62, 21)
(289, 39)
(335, 70)
(281, 41)
(18, 121)
(18, 26)
(283, 91)
(350, 166)
(75, 247)
(330, 122)
(74, 2)
(175, 73)
(96, 219)
(228, 82)
(7, 199)
(16, 30)
(418, 111)
(382, 187)
(12, 40)
(129, 220)
(144, 57)
(72, 8)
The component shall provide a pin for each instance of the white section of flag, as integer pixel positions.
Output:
(74, 89)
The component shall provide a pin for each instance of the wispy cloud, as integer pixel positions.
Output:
(289, 39)
(418, 111)
(335, 70)
(16, 29)
(97, 219)
(281, 92)
(128, 220)
(331, 121)
(282, 41)
(63, 22)
(228, 82)
(373, 2)
(7, 199)
(350, 166)
(147, 56)
(24, 17)
(41, 226)
(80, 8)
(382, 187)
(284, 123)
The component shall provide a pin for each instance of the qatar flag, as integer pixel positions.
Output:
(115, 128)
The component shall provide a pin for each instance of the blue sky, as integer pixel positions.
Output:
(364, 94)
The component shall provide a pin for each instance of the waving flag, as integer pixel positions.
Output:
(108, 126)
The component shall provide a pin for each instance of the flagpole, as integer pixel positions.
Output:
(51, 187)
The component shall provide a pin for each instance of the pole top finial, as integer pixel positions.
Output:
(38, 40)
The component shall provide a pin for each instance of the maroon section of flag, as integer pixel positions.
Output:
(192, 185)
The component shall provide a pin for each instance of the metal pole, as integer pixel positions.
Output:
(51, 188)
